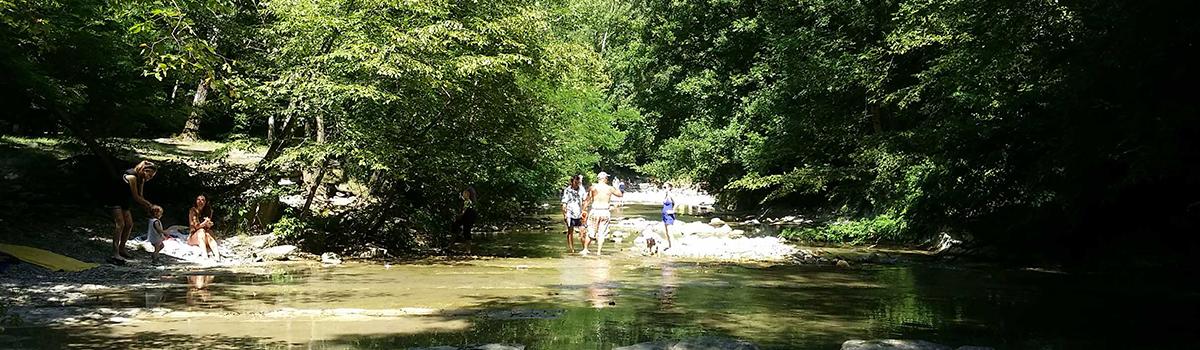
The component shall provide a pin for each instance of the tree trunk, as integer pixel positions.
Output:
(271, 129)
(873, 112)
(191, 129)
(319, 177)
(312, 190)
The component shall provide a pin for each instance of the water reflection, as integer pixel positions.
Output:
(600, 289)
(198, 292)
(666, 289)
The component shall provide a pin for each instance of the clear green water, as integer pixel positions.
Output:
(529, 293)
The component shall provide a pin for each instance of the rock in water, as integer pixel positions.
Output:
(705, 343)
(658, 345)
(330, 258)
(843, 263)
(892, 344)
(716, 222)
(277, 252)
(475, 347)
(701, 343)
(498, 347)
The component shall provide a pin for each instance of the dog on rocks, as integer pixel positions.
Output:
(648, 242)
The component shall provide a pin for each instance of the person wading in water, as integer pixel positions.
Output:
(668, 213)
(598, 203)
(572, 208)
(124, 191)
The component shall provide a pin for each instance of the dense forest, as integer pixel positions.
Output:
(1042, 129)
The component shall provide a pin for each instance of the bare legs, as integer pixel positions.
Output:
(597, 226)
(667, 232)
(601, 232)
(203, 239)
(212, 245)
(122, 226)
(570, 236)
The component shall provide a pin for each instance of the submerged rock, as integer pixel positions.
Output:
(892, 344)
(901, 344)
(475, 347)
(701, 343)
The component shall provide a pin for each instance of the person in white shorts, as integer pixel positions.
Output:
(598, 202)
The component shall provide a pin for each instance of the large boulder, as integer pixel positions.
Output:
(259, 241)
(281, 252)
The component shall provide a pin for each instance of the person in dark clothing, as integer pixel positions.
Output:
(124, 191)
(468, 216)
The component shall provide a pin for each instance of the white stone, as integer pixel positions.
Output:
(277, 252)
(892, 344)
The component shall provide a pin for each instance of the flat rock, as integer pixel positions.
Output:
(259, 241)
(892, 344)
(277, 252)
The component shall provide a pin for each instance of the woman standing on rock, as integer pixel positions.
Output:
(126, 190)
(668, 213)
(200, 226)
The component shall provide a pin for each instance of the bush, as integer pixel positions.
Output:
(884, 227)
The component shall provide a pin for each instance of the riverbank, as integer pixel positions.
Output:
(576, 302)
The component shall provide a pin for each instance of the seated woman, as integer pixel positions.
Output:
(200, 223)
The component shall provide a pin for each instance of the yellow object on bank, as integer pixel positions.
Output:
(45, 258)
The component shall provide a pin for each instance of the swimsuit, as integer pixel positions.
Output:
(152, 234)
(668, 211)
(119, 196)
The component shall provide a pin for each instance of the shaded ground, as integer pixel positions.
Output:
(519, 286)
(51, 189)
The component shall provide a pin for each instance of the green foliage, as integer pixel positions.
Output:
(290, 229)
(884, 227)
(989, 117)
(1004, 119)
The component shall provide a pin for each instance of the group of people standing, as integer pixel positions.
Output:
(127, 190)
(587, 212)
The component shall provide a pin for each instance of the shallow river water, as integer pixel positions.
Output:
(527, 291)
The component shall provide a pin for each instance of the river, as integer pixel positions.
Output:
(522, 288)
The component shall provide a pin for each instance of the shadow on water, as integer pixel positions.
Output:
(551, 300)
(818, 308)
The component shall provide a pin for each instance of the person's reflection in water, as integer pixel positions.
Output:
(154, 297)
(198, 289)
(599, 290)
(666, 290)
